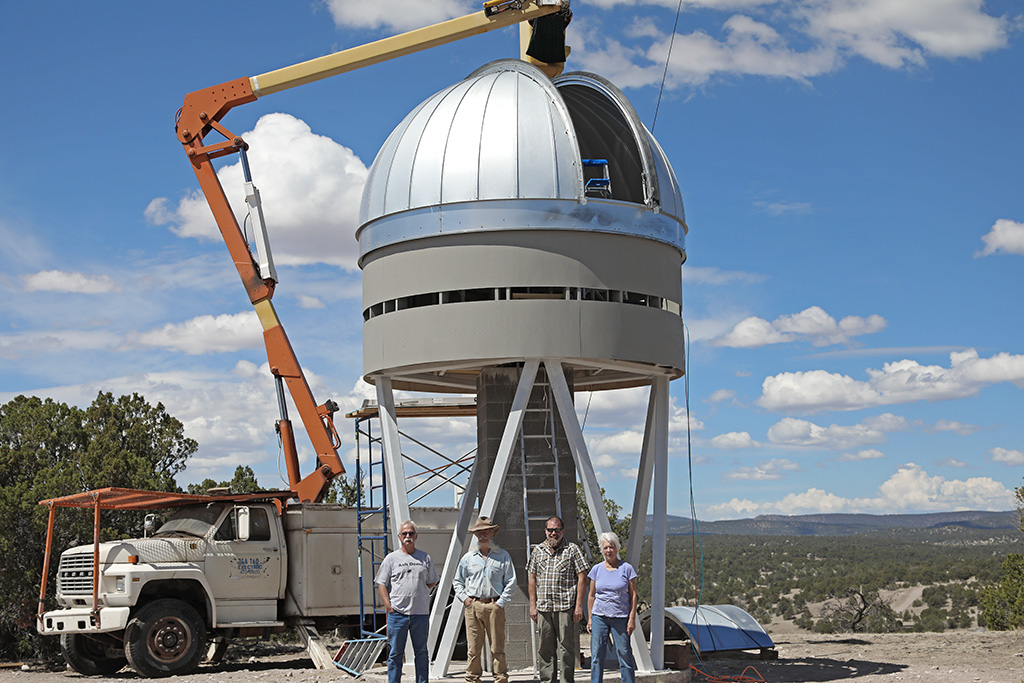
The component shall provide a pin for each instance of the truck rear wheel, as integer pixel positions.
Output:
(166, 638)
(90, 657)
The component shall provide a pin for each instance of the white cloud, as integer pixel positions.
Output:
(1005, 236)
(784, 208)
(306, 301)
(206, 334)
(898, 382)
(955, 426)
(768, 470)
(1007, 456)
(812, 324)
(310, 187)
(899, 34)
(731, 441)
(867, 454)
(25, 344)
(952, 462)
(721, 395)
(604, 461)
(396, 15)
(629, 441)
(70, 282)
(230, 414)
(751, 333)
(626, 410)
(798, 40)
(910, 489)
(714, 276)
(803, 434)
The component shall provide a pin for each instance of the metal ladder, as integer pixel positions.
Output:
(371, 526)
(538, 499)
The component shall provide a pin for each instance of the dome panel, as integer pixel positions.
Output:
(461, 171)
(431, 148)
(499, 140)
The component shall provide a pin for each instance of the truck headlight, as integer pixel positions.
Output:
(119, 584)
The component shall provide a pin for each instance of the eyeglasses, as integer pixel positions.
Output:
(407, 533)
(554, 531)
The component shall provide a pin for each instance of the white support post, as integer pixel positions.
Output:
(638, 521)
(489, 502)
(574, 434)
(394, 469)
(456, 547)
(661, 400)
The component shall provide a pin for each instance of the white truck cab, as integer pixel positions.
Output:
(216, 565)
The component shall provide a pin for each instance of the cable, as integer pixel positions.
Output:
(590, 397)
(668, 58)
(742, 678)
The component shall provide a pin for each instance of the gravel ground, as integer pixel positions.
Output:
(953, 657)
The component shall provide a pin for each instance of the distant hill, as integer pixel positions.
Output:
(845, 524)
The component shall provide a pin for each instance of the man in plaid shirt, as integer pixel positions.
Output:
(558, 583)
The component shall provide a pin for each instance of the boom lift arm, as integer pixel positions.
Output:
(201, 115)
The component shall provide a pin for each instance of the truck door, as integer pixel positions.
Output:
(246, 575)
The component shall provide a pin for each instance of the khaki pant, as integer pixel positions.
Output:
(558, 646)
(485, 618)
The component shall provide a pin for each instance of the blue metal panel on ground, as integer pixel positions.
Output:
(713, 628)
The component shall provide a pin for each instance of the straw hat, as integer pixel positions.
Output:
(483, 524)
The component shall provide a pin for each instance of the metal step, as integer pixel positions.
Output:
(356, 656)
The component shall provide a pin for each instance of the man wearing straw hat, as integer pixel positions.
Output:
(484, 582)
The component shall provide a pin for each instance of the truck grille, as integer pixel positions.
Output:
(75, 575)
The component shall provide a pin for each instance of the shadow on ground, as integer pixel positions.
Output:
(802, 669)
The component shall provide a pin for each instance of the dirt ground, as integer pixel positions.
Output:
(973, 656)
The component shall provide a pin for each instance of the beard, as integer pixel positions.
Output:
(474, 544)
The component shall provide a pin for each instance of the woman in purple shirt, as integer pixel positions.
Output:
(612, 610)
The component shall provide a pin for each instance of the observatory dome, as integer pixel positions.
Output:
(545, 211)
(508, 132)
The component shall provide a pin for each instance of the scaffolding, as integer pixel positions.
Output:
(372, 526)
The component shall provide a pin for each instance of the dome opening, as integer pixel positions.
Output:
(604, 133)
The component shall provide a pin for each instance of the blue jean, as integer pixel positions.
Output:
(399, 627)
(600, 627)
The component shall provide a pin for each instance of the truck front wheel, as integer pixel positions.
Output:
(90, 657)
(166, 638)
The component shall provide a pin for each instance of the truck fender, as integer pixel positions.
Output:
(188, 584)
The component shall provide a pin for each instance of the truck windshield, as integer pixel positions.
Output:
(192, 521)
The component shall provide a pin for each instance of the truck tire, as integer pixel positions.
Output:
(90, 657)
(166, 638)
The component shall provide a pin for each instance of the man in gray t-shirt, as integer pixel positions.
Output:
(404, 581)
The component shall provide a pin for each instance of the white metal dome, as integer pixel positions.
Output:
(507, 145)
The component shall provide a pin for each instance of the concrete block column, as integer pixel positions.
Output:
(545, 443)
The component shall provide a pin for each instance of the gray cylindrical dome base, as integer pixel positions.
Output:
(440, 309)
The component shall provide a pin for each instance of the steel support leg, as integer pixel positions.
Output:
(638, 518)
(574, 434)
(456, 548)
(394, 470)
(661, 399)
(490, 501)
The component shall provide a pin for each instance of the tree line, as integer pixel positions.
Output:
(49, 449)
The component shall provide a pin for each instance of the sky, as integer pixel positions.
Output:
(851, 169)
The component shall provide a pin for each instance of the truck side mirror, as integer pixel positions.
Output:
(149, 524)
(242, 523)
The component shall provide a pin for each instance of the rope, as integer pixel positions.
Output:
(668, 58)
(742, 678)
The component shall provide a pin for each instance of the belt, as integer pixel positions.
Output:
(484, 600)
